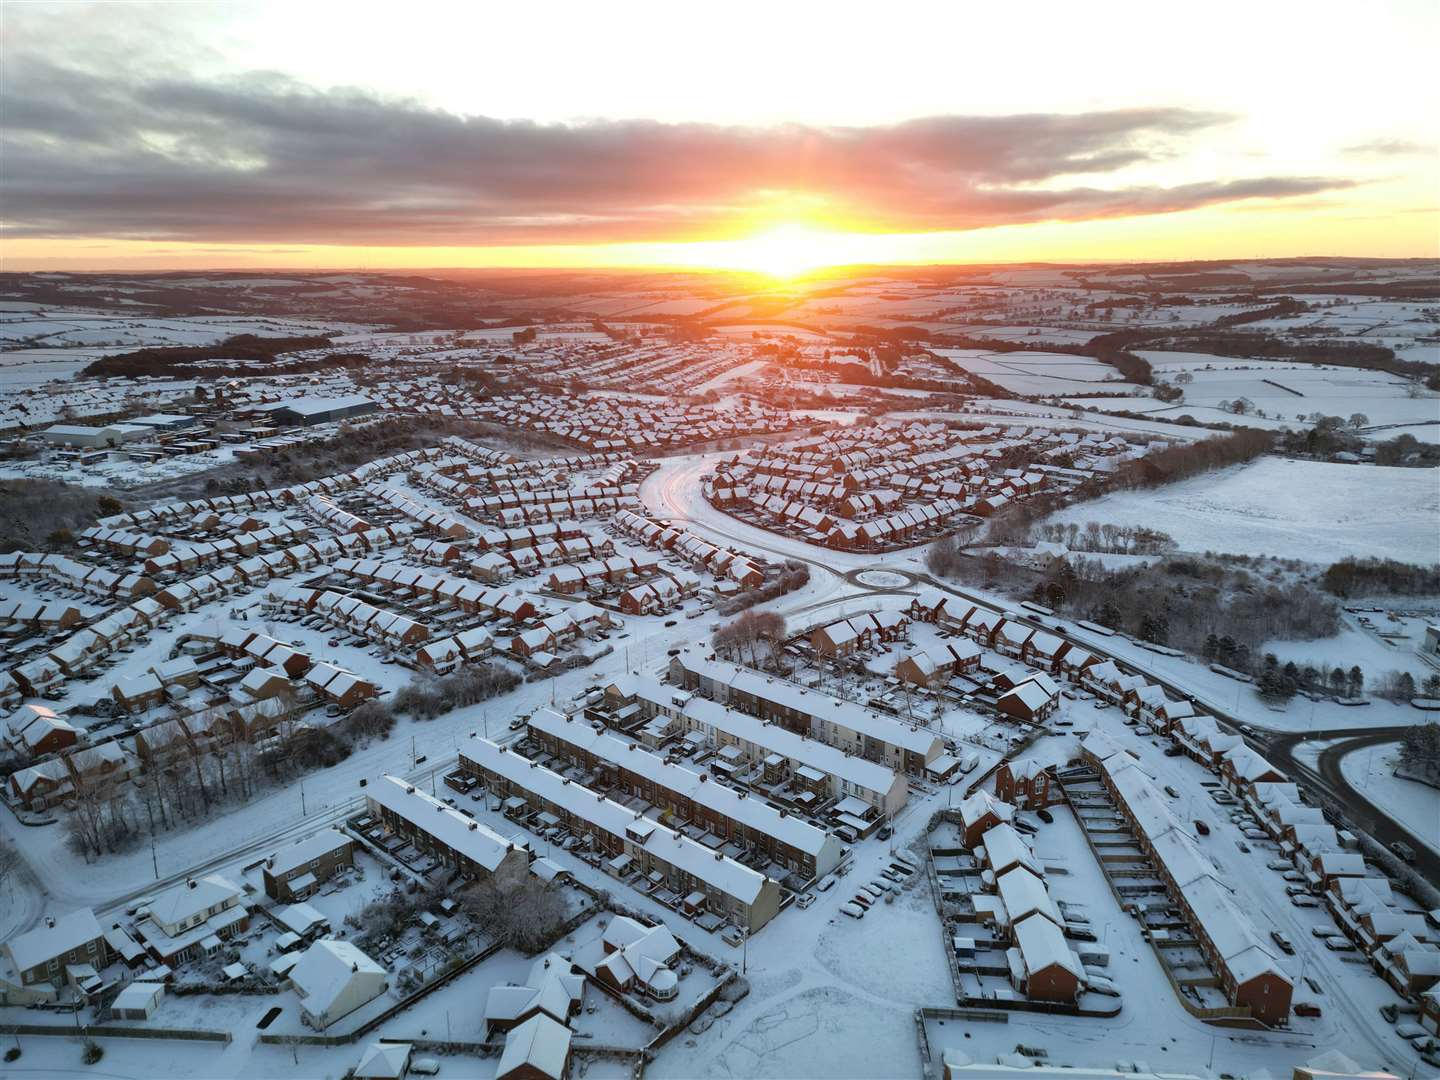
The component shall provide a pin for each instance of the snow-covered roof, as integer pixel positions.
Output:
(857, 771)
(1024, 893)
(1005, 848)
(383, 1061)
(977, 806)
(719, 871)
(540, 1043)
(471, 838)
(838, 711)
(1042, 944)
(138, 995)
(303, 852)
(52, 938)
(754, 813)
(325, 971)
(189, 898)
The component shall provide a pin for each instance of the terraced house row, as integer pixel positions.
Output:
(750, 745)
(1250, 975)
(904, 747)
(692, 797)
(709, 880)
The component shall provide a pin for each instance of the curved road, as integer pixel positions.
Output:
(674, 491)
(1326, 776)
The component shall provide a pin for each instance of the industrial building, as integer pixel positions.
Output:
(309, 411)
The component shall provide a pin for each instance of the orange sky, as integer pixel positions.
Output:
(160, 136)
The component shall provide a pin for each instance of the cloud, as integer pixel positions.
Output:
(263, 159)
(1387, 148)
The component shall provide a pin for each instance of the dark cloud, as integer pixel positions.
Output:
(263, 159)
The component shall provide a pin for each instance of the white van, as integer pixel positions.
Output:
(969, 762)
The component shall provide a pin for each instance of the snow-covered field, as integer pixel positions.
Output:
(1317, 511)
(1355, 644)
(1303, 389)
(1039, 373)
(65, 327)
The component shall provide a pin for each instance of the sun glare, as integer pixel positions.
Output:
(785, 251)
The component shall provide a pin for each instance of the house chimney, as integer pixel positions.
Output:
(190, 882)
(50, 921)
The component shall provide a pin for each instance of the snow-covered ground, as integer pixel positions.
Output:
(1040, 373)
(1371, 770)
(1317, 511)
(1357, 644)
(829, 995)
(1303, 389)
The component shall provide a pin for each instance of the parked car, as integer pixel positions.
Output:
(805, 901)
(1304, 900)
(1170, 790)
(1296, 890)
(1202, 828)
(1404, 850)
(1339, 943)
(1280, 864)
(1045, 816)
(855, 911)
(1284, 942)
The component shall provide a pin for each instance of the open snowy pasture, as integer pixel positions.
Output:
(23, 368)
(1038, 372)
(1374, 320)
(64, 327)
(1047, 335)
(1311, 510)
(1292, 391)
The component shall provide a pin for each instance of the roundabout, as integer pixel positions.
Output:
(881, 580)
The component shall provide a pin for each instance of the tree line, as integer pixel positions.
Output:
(239, 353)
(1177, 602)
(199, 778)
(428, 696)
(1181, 460)
(1380, 577)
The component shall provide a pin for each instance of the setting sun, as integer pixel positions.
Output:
(784, 252)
